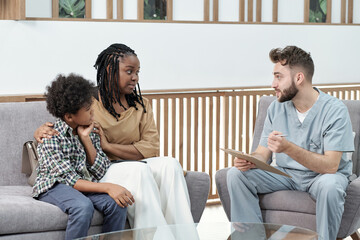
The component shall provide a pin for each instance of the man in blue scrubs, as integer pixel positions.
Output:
(309, 132)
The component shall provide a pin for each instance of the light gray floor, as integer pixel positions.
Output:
(215, 213)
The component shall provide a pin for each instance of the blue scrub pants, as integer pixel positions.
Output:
(327, 189)
(80, 208)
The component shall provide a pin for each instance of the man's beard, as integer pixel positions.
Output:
(288, 93)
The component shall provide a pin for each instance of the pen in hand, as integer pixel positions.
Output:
(280, 135)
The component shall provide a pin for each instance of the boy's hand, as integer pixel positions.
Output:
(84, 131)
(121, 195)
(45, 131)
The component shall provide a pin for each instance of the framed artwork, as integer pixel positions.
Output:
(71, 8)
(317, 11)
(155, 9)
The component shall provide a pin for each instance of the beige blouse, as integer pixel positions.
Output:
(133, 127)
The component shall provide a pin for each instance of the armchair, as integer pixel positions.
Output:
(295, 207)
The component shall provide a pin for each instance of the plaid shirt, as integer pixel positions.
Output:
(62, 159)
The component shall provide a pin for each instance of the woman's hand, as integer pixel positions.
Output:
(103, 140)
(45, 131)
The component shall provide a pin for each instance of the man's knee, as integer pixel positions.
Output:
(233, 174)
(330, 188)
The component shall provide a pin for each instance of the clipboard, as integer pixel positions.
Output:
(258, 163)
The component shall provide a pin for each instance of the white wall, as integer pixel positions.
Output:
(172, 55)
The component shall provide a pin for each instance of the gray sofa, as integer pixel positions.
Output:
(21, 216)
(298, 208)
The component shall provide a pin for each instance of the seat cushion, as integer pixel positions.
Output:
(294, 201)
(20, 213)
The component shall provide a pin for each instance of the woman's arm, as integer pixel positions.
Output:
(128, 152)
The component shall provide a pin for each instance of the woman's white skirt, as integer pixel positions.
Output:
(159, 189)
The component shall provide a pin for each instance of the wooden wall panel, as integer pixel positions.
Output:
(12, 9)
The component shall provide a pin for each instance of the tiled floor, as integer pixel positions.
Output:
(215, 213)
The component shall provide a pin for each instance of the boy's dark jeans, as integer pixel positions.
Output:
(80, 208)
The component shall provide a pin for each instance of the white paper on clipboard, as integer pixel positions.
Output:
(259, 164)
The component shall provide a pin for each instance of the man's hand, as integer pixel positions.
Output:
(45, 131)
(276, 143)
(243, 165)
(120, 194)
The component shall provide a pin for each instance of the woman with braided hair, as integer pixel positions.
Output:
(125, 123)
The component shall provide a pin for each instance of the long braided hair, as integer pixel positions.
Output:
(107, 77)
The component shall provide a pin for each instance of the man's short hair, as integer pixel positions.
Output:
(294, 57)
(68, 94)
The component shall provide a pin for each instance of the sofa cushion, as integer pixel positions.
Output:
(20, 213)
(294, 201)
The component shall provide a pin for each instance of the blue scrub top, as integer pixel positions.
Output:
(327, 127)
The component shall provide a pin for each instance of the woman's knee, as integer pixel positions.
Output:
(172, 163)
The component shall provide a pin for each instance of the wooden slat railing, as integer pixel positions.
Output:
(194, 124)
(202, 122)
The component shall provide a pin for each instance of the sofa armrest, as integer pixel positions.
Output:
(221, 186)
(198, 184)
(350, 221)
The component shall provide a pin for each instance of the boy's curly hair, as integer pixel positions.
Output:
(68, 94)
(294, 57)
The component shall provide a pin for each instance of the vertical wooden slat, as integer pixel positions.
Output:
(196, 133)
(120, 9)
(158, 123)
(140, 8)
(254, 106)
(215, 10)
(188, 133)
(181, 130)
(341, 95)
(275, 11)
(88, 9)
(328, 11)
(206, 10)
(55, 8)
(203, 132)
(173, 120)
(247, 123)
(306, 10)
(258, 11)
(350, 11)
(21, 9)
(166, 126)
(343, 11)
(217, 133)
(169, 10)
(109, 9)
(233, 121)
(250, 10)
(241, 117)
(226, 129)
(211, 116)
(241, 10)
